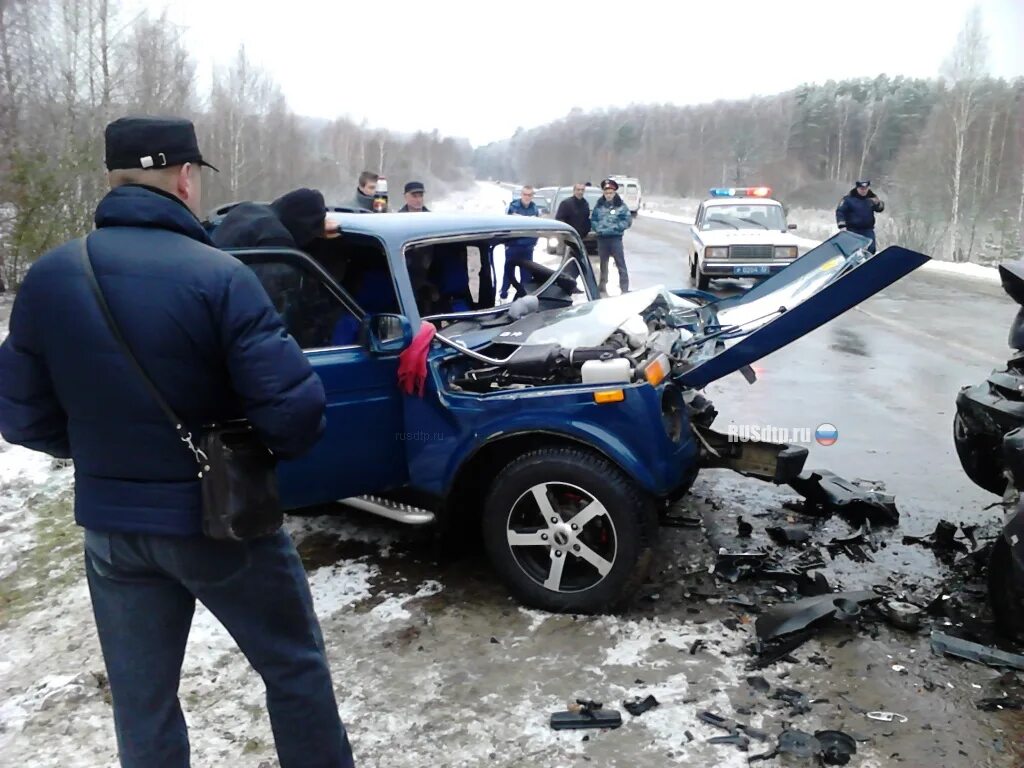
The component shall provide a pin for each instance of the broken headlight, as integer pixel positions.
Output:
(672, 408)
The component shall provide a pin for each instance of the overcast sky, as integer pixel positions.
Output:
(480, 69)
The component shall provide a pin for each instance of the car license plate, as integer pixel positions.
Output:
(759, 269)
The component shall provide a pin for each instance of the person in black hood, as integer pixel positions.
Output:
(293, 220)
(575, 211)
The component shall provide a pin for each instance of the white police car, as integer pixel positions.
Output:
(740, 232)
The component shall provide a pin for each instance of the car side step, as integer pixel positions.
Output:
(392, 510)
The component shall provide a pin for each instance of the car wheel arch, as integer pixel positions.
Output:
(479, 468)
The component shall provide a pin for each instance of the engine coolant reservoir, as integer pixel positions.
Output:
(617, 371)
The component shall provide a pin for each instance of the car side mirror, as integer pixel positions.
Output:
(791, 226)
(387, 334)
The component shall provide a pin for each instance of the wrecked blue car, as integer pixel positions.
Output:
(554, 427)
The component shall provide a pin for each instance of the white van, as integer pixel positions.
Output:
(630, 192)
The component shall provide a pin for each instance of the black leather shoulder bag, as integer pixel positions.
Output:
(237, 472)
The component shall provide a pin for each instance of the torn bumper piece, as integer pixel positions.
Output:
(777, 463)
(827, 493)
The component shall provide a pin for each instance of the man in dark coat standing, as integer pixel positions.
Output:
(202, 327)
(856, 211)
(575, 211)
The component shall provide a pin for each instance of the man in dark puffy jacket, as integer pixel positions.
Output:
(575, 211)
(856, 211)
(203, 328)
(519, 249)
(294, 220)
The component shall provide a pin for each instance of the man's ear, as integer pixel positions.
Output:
(184, 183)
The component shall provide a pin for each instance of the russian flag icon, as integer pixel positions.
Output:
(826, 434)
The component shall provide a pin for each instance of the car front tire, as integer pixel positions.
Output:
(703, 281)
(567, 531)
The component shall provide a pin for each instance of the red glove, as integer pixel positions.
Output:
(412, 363)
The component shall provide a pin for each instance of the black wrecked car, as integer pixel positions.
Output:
(988, 431)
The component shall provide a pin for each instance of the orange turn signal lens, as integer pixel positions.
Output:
(609, 396)
(657, 370)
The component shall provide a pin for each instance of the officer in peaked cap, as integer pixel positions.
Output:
(201, 326)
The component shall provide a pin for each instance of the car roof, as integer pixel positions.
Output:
(740, 201)
(414, 226)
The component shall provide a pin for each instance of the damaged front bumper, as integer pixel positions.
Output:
(987, 414)
(772, 462)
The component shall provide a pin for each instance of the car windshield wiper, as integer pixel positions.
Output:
(723, 221)
(755, 221)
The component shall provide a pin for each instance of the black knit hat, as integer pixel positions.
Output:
(302, 211)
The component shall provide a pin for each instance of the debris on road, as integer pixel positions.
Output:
(733, 727)
(744, 529)
(585, 713)
(901, 614)
(825, 493)
(853, 546)
(637, 707)
(1000, 703)
(836, 747)
(789, 535)
(948, 645)
(943, 539)
(788, 618)
(887, 717)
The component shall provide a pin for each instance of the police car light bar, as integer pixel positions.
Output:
(740, 191)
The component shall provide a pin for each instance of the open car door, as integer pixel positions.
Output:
(819, 286)
(360, 451)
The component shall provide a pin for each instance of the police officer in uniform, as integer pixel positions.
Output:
(856, 211)
(204, 330)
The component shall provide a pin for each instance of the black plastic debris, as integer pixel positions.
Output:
(798, 701)
(965, 649)
(585, 713)
(734, 565)
(744, 529)
(853, 547)
(836, 747)
(789, 535)
(826, 493)
(637, 707)
(830, 747)
(730, 725)
(811, 611)
(696, 646)
(1000, 703)
(769, 653)
(901, 614)
(759, 684)
(942, 540)
(679, 521)
(796, 743)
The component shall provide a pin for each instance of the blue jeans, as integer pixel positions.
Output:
(144, 589)
(514, 255)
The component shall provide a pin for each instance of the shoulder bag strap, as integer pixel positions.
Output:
(185, 435)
